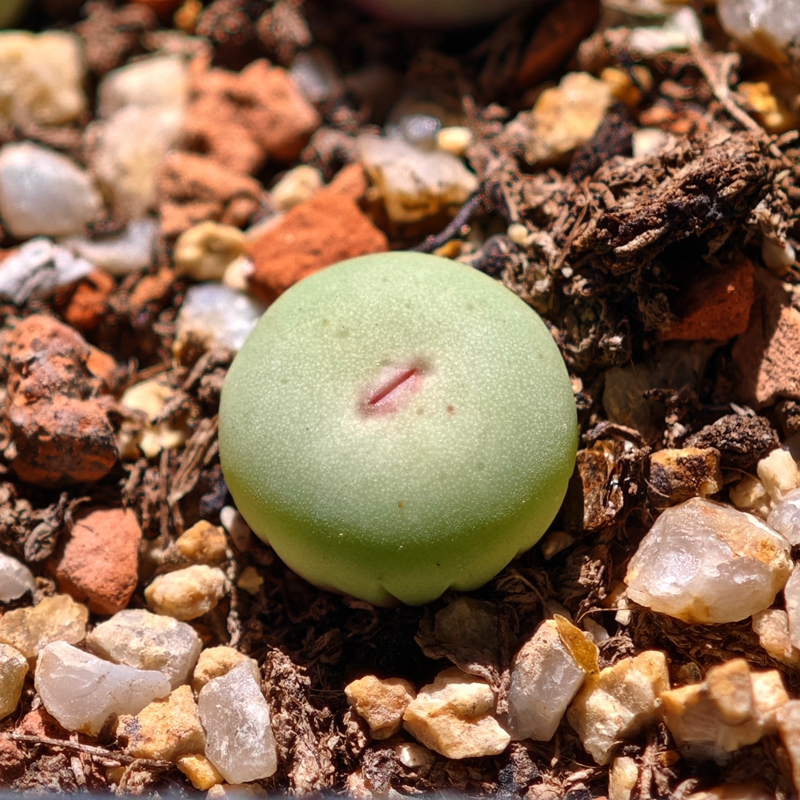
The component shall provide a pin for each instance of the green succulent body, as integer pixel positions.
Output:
(397, 425)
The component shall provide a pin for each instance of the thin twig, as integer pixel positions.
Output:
(87, 749)
(462, 218)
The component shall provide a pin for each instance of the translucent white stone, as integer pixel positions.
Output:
(136, 638)
(414, 183)
(679, 32)
(778, 473)
(216, 316)
(545, 677)
(235, 715)
(121, 253)
(41, 77)
(765, 26)
(38, 270)
(15, 579)
(43, 193)
(81, 690)
(785, 517)
(157, 82)
(129, 149)
(704, 562)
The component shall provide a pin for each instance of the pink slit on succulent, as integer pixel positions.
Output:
(392, 389)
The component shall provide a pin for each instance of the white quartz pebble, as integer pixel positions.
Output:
(43, 193)
(140, 639)
(545, 676)
(120, 253)
(704, 562)
(235, 715)
(157, 82)
(785, 517)
(766, 26)
(216, 316)
(81, 690)
(414, 183)
(15, 579)
(38, 270)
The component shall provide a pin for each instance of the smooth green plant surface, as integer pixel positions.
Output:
(397, 425)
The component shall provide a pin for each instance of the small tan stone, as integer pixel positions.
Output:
(13, 668)
(677, 475)
(164, 729)
(199, 770)
(788, 718)
(381, 703)
(778, 473)
(750, 495)
(250, 581)
(204, 252)
(55, 619)
(453, 716)
(295, 187)
(772, 628)
(187, 593)
(733, 707)
(618, 702)
(622, 778)
(214, 662)
(203, 543)
(563, 118)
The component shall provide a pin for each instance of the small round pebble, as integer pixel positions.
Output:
(187, 593)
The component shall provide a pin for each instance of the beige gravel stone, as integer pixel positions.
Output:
(772, 628)
(788, 718)
(205, 251)
(187, 593)
(13, 668)
(199, 770)
(203, 543)
(618, 702)
(214, 662)
(453, 716)
(381, 703)
(295, 187)
(55, 619)
(778, 473)
(733, 707)
(622, 778)
(164, 729)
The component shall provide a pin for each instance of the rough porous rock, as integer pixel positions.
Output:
(676, 475)
(328, 228)
(240, 119)
(618, 702)
(214, 662)
(412, 182)
(203, 543)
(142, 640)
(99, 562)
(187, 593)
(81, 690)
(732, 708)
(205, 251)
(15, 579)
(742, 440)
(60, 432)
(546, 674)
(38, 269)
(13, 669)
(164, 729)
(453, 716)
(706, 563)
(43, 77)
(716, 305)
(43, 193)
(235, 715)
(55, 619)
(381, 703)
(767, 355)
(562, 119)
